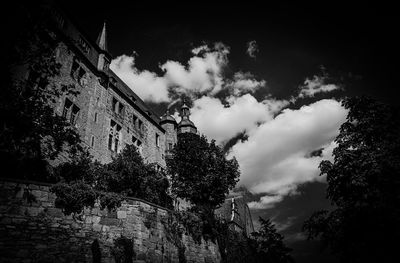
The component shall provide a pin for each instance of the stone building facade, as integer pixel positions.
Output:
(106, 112)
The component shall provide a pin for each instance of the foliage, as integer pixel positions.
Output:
(126, 175)
(267, 244)
(74, 197)
(31, 133)
(200, 172)
(363, 184)
(174, 231)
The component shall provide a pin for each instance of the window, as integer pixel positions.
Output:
(70, 111)
(74, 114)
(117, 106)
(117, 139)
(114, 104)
(92, 141)
(137, 143)
(75, 67)
(157, 140)
(134, 119)
(67, 107)
(121, 109)
(169, 146)
(77, 72)
(114, 137)
(95, 117)
(140, 125)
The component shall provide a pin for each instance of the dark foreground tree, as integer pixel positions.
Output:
(31, 134)
(201, 174)
(200, 171)
(363, 185)
(266, 245)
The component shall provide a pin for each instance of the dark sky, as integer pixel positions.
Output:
(357, 44)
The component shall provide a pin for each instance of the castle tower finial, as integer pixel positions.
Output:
(186, 125)
(102, 39)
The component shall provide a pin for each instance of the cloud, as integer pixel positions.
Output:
(242, 114)
(316, 85)
(244, 83)
(202, 74)
(265, 202)
(144, 83)
(276, 157)
(252, 48)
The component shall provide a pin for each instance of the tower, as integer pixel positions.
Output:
(186, 125)
(104, 57)
(169, 124)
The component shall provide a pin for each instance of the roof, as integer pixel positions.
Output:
(167, 117)
(186, 122)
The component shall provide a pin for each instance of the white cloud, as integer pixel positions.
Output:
(222, 123)
(275, 158)
(316, 85)
(252, 48)
(144, 83)
(244, 83)
(201, 75)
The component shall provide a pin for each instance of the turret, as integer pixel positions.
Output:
(170, 125)
(104, 57)
(186, 125)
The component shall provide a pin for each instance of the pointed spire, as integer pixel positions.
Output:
(102, 39)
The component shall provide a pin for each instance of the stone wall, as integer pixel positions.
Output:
(32, 229)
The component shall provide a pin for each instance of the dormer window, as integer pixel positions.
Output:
(84, 45)
(106, 65)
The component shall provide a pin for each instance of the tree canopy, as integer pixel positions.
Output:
(126, 176)
(363, 185)
(200, 172)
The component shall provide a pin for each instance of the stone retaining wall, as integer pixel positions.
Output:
(37, 231)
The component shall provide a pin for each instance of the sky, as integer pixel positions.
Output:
(264, 81)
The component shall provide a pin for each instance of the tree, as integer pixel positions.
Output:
(363, 185)
(266, 245)
(128, 175)
(31, 134)
(200, 173)
(82, 180)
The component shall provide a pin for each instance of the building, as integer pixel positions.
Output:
(106, 112)
(109, 115)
